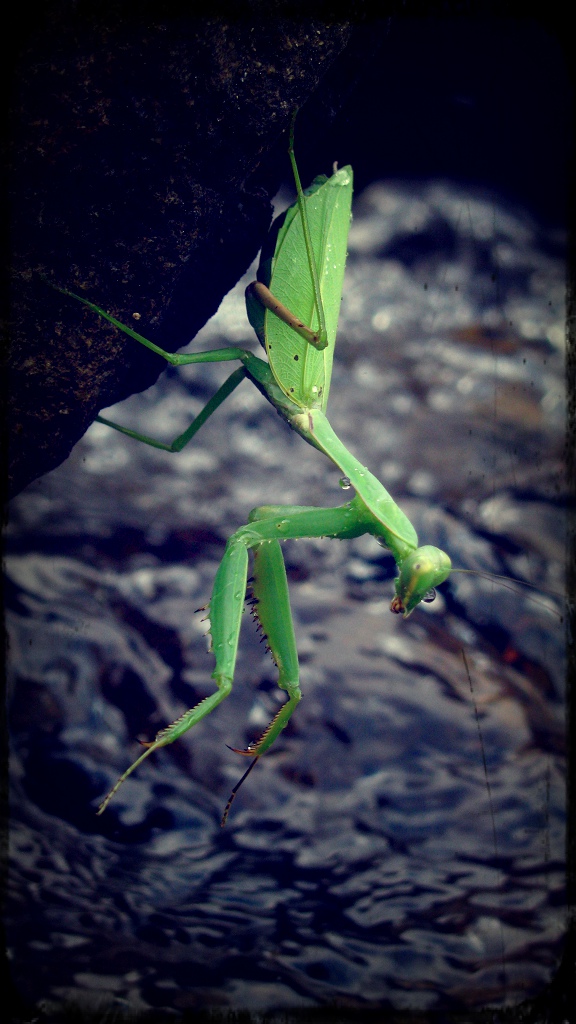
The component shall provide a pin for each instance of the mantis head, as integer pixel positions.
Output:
(420, 572)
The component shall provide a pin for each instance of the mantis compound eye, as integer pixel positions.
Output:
(420, 573)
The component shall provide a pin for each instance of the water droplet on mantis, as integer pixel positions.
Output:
(429, 596)
(345, 483)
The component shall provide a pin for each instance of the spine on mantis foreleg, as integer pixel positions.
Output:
(271, 607)
(272, 610)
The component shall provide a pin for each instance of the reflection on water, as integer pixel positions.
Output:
(367, 861)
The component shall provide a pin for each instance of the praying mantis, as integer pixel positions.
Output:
(293, 307)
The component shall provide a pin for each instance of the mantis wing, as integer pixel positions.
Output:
(301, 370)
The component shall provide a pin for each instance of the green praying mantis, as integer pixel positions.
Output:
(293, 307)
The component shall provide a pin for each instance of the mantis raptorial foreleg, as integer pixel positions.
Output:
(271, 609)
(269, 524)
(266, 527)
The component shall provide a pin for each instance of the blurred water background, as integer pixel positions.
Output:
(402, 844)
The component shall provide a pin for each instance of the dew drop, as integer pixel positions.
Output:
(429, 596)
(345, 483)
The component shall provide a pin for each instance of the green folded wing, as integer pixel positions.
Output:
(303, 372)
